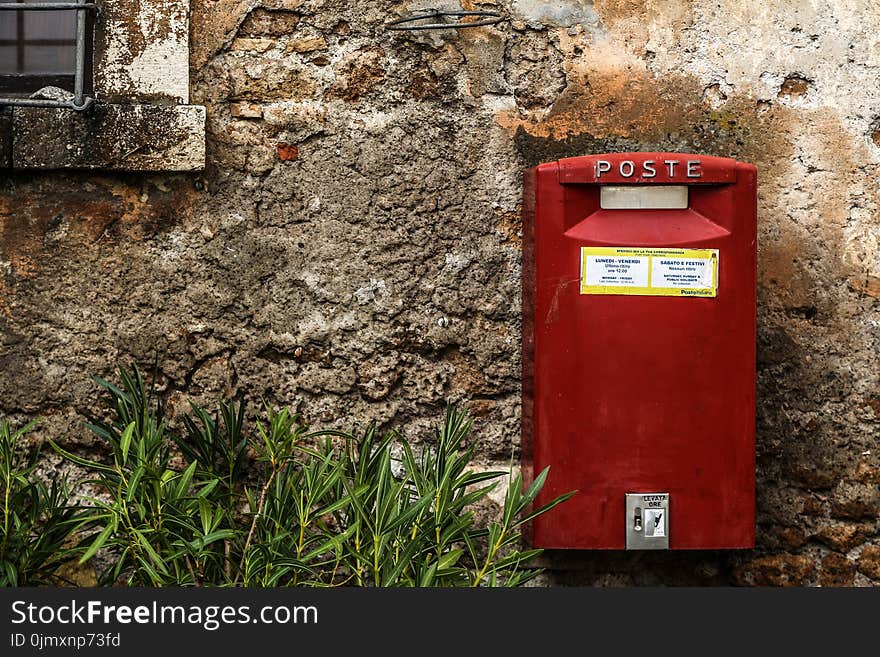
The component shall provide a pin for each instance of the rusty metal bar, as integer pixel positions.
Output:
(19, 34)
(88, 101)
(79, 71)
(405, 23)
(48, 6)
(40, 42)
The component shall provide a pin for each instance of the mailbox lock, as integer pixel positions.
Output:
(648, 521)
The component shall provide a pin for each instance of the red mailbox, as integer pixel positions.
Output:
(639, 350)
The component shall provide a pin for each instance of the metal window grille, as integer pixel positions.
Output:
(80, 100)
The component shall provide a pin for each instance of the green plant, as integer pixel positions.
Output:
(323, 508)
(417, 527)
(370, 512)
(38, 521)
(218, 445)
(158, 523)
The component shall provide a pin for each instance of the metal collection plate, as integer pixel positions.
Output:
(647, 521)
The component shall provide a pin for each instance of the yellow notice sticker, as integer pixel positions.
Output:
(652, 272)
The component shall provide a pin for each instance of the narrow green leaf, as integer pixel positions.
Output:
(449, 559)
(11, 574)
(409, 514)
(134, 482)
(125, 442)
(543, 509)
(219, 535)
(185, 479)
(206, 514)
(99, 541)
(207, 488)
(73, 458)
(148, 548)
(535, 486)
(330, 544)
(427, 578)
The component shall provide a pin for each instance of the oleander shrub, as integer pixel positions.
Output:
(38, 522)
(225, 502)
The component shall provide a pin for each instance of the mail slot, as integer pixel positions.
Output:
(639, 350)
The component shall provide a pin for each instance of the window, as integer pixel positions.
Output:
(45, 43)
(120, 72)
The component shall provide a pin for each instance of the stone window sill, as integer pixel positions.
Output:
(121, 137)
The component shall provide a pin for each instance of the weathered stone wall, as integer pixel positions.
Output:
(353, 248)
